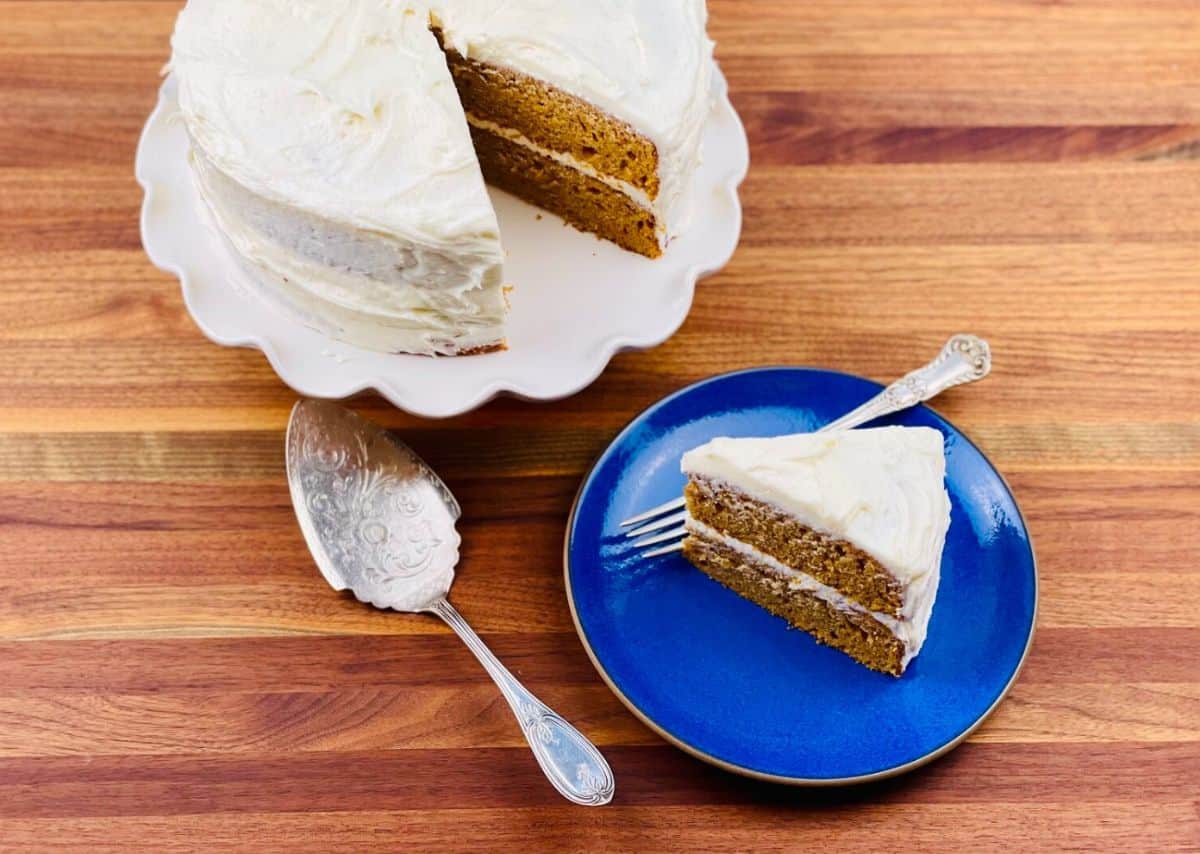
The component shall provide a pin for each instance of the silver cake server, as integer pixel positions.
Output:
(381, 524)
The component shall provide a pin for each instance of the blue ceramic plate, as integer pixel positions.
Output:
(726, 681)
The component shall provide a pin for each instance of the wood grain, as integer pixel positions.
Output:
(174, 675)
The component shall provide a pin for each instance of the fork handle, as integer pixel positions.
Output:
(570, 762)
(964, 359)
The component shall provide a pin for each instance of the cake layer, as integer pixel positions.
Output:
(584, 201)
(857, 634)
(556, 120)
(833, 562)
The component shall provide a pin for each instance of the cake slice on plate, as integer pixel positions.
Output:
(841, 534)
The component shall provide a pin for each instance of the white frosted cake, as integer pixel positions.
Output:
(342, 147)
(841, 534)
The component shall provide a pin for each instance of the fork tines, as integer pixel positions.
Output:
(672, 536)
(669, 507)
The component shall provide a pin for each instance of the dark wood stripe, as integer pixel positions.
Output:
(1061, 656)
(508, 777)
(1066, 655)
(467, 712)
(267, 665)
(784, 136)
(62, 112)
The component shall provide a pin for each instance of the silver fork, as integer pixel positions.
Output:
(964, 359)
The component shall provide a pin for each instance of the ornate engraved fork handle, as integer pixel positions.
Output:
(572, 763)
(964, 359)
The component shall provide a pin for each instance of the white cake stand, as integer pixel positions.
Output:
(578, 300)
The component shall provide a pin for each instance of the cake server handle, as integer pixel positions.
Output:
(570, 762)
(964, 359)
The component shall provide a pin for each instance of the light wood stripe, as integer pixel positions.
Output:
(956, 827)
(209, 457)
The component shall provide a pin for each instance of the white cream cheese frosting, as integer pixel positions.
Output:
(331, 148)
(346, 284)
(645, 62)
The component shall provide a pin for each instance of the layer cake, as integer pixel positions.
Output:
(342, 147)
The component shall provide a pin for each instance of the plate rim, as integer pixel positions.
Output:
(803, 782)
(590, 365)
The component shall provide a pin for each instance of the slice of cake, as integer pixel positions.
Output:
(841, 534)
(331, 146)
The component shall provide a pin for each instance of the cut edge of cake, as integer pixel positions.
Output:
(594, 112)
(561, 153)
(840, 534)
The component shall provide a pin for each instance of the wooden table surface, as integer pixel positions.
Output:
(175, 673)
